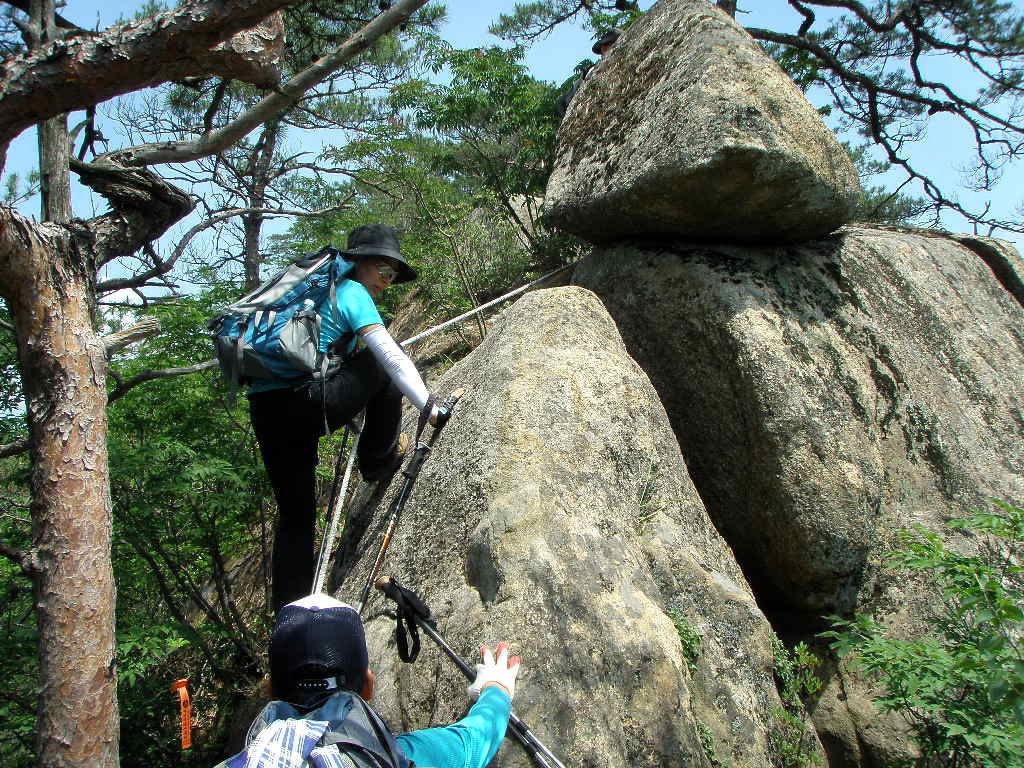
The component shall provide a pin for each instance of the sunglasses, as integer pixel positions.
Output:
(387, 271)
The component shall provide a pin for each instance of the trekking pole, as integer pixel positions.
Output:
(410, 473)
(334, 506)
(414, 611)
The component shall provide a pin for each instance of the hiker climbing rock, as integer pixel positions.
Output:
(290, 412)
(601, 48)
(322, 680)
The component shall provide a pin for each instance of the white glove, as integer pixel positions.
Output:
(501, 673)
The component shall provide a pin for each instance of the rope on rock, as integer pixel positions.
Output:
(482, 307)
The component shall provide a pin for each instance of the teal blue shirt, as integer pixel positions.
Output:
(355, 310)
(470, 743)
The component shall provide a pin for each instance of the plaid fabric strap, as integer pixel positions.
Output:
(289, 743)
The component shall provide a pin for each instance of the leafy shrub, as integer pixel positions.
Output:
(795, 679)
(688, 636)
(961, 686)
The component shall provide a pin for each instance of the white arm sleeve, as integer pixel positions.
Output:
(398, 366)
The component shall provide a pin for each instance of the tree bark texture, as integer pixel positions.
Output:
(261, 159)
(47, 284)
(55, 182)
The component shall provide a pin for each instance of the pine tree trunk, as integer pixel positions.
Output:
(63, 362)
(260, 160)
(54, 182)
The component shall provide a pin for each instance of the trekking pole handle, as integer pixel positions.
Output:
(537, 750)
(444, 408)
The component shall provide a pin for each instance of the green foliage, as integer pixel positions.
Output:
(187, 492)
(140, 650)
(790, 739)
(19, 664)
(14, 192)
(877, 204)
(531, 20)
(498, 119)
(467, 244)
(688, 637)
(12, 408)
(707, 743)
(18, 634)
(961, 686)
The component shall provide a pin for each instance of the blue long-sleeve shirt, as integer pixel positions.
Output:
(472, 742)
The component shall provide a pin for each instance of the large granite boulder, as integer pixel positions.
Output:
(827, 395)
(688, 129)
(555, 512)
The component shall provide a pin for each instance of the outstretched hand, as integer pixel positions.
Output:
(500, 672)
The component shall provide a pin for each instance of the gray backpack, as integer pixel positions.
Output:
(274, 332)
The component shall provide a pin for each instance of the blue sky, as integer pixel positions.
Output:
(554, 57)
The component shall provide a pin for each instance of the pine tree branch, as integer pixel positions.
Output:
(286, 96)
(16, 556)
(82, 70)
(150, 375)
(144, 329)
(21, 445)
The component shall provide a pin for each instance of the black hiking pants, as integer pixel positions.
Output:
(288, 424)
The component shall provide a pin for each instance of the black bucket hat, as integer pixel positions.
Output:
(379, 240)
(318, 648)
(608, 37)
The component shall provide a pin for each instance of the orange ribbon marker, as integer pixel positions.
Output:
(181, 686)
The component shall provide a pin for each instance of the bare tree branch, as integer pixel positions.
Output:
(147, 327)
(288, 94)
(13, 449)
(888, 103)
(122, 389)
(25, 7)
(215, 102)
(14, 555)
(145, 206)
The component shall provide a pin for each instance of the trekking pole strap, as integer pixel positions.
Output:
(415, 611)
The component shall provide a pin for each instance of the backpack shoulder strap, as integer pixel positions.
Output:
(365, 732)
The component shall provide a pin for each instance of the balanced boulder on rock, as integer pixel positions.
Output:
(688, 129)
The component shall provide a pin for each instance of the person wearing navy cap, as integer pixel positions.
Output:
(322, 681)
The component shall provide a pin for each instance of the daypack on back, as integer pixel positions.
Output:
(274, 332)
(281, 737)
